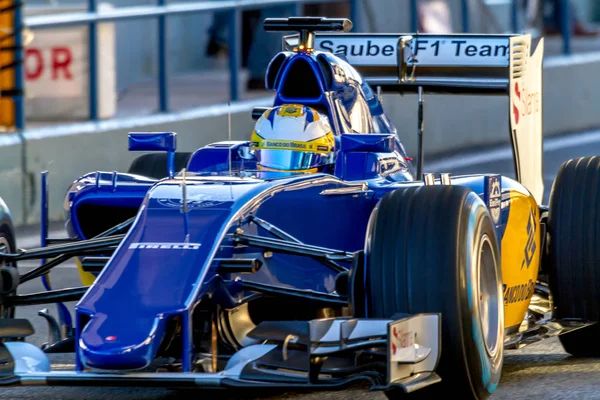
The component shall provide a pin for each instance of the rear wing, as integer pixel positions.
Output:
(456, 64)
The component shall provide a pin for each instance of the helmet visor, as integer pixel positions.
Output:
(289, 160)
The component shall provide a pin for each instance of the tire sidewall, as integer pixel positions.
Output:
(7, 235)
(484, 370)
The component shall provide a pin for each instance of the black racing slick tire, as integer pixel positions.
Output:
(9, 274)
(154, 165)
(433, 249)
(573, 251)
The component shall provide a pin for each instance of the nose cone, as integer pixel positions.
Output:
(120, 343)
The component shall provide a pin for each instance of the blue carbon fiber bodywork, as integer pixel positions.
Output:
(166, 264)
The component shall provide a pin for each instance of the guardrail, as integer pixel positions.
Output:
(162, 10)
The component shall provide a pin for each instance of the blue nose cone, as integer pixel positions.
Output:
(120, 343)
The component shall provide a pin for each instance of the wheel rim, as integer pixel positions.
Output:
(489, 296)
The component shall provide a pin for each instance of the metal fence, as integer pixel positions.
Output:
(163, 9)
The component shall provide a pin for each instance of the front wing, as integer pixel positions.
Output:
(410, 347)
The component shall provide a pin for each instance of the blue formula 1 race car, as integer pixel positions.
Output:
(312, 256)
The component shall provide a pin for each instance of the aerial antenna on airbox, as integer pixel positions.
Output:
(230, 145)
(421, 120)
(229, 129)
(183, 191)
(186, 222)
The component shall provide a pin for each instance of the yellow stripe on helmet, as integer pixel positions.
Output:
(310, 171)
(323, 144)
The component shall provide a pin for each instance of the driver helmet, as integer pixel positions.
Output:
(293, 138)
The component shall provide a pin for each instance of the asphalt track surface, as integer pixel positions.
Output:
(541, 370)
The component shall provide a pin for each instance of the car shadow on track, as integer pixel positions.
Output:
(518, 363)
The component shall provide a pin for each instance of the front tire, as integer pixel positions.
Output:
(573, 251)
(7, 239)
(433, 249)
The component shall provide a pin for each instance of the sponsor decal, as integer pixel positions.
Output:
(402, 344)
(516, 112)
(369, 48)
(363, 50)
(295, 145)
(524, 102)
(518, 293)
(530, 245)
(165, 246)
(196, 201)
(461, 48)
(495, 198)
(291, 110)
(381, 51)
(280, 144)
(458, 52)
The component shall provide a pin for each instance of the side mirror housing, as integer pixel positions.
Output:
(156, 141)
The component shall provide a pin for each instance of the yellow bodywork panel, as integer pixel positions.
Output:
(520, 256)
(87, 278)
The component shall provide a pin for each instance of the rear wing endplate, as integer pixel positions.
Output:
(456, 64)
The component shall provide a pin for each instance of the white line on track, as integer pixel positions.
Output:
(505, 153)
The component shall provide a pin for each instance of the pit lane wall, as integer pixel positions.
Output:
(571, 103)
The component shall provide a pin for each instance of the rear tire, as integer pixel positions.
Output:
(154, 165)
(433, 249)
(573, 251)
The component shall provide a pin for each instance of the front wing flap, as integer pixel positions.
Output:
(410, 347)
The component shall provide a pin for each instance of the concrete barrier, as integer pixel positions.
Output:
(56, 68)
(69, 151)
(571, 103)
